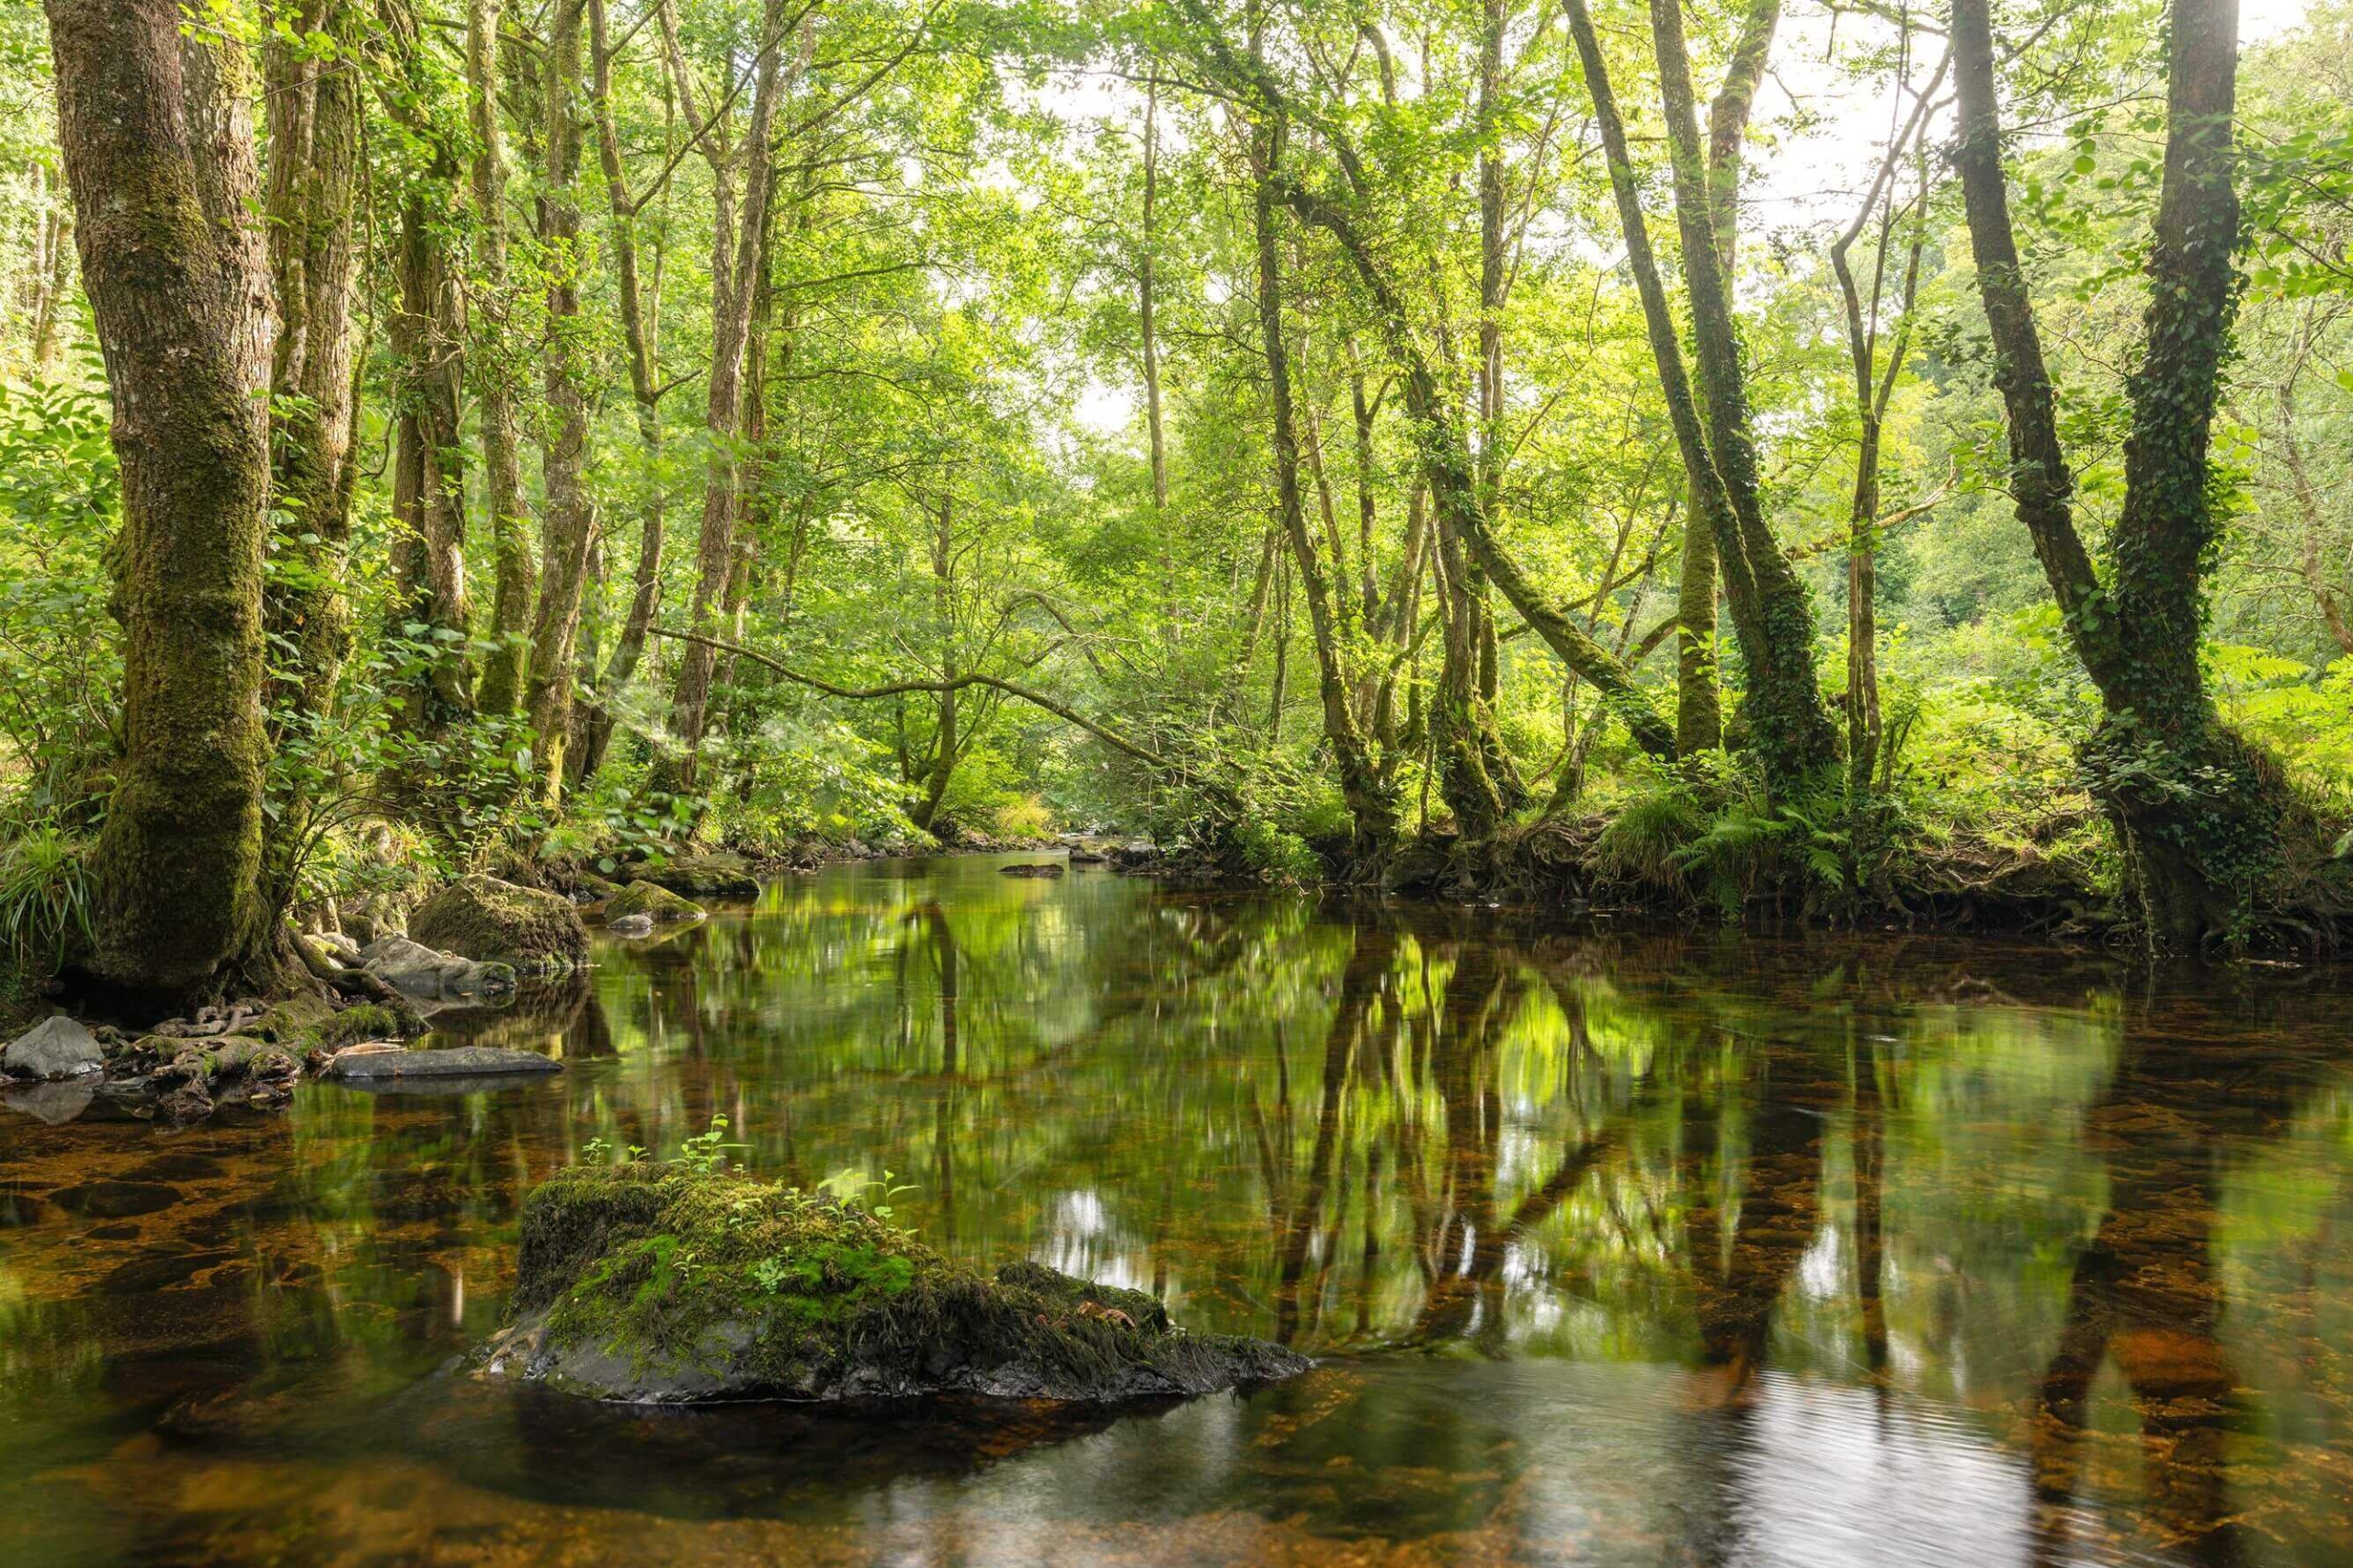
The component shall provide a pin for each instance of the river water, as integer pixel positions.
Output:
(1614, 1247)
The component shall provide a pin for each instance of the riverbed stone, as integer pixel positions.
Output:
(654, 902)
(55, 1048)
(658, 1284)
(497, 922)
(429, 975)
(631, 925)
(1032, 868)
(449, 1061)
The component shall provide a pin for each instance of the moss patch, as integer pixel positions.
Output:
(484, 918)
(654, 1283)
(655, 903)
(704, 876)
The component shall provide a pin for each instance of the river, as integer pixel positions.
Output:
(1614, 1247)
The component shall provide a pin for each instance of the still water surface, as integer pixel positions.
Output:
(1631, 1248)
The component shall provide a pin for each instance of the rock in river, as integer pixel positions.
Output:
(56, 1048)
(631, 925)
(653, 900)
(704, 876)
(449, 1061)
(654, 1284)
(481, 918)
(414, 970)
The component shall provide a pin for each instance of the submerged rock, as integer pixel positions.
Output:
(55, 1048)
(653, 901)
(449, 1061)
(631, 925)
(496, 922)
(1032, 868)
(653, 1284)
(704, 876)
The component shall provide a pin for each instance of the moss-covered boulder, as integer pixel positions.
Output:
(656, 903)
(309, 1023)
(653, 1284)
(704, 876)
(484, 918)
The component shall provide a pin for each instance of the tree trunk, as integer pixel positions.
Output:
(945, 741)
(1453, 488)
(1788, 722)
(734, 259)
(313, 105)
(496, 373)
(637, 333)
(429, 602)
(2199, 814)
(1371, 807)
(566, 524)
(159, 149)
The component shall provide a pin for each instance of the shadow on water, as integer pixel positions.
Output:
(1621, 1247)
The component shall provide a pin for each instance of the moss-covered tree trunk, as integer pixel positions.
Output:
(312, 99)
(1788, 721)
(498, 371)
(564, 524)
(1372, 807)
(2199, 814)
(158, 139)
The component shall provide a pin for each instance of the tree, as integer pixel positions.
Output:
(159, 149)
(2200, 815)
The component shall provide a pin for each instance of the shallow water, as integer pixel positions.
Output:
(1625, 1249)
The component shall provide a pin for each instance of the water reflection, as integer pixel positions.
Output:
(1636, 1248)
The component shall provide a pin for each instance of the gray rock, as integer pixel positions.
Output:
(1032, 868)
(56, 1048)
(451, 1061)
(341, 946)
(54, 1103)
(415, 969)
(631, 925)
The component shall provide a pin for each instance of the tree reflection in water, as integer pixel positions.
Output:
(1608, 1240)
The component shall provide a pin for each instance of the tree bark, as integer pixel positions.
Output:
(159, 150)
(496, 370)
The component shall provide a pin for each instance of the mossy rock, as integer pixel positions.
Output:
(655, 1284)
(703, 875)
(306, 1023)
(657, 903)
(588, 887)
(484, 918)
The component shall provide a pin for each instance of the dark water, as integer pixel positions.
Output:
(1618, 1249)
